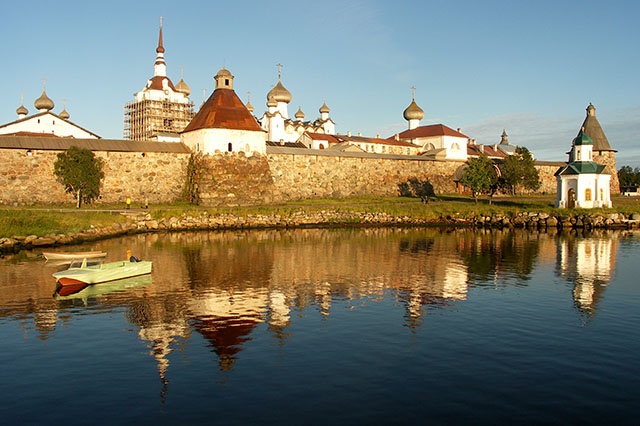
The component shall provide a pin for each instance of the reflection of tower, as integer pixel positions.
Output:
(161, 336)
(226, 318)
(45, 321)
(589, 263)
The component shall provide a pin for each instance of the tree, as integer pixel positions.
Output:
(518, 170)
(628, 176)
(80, 171)
(480, 176)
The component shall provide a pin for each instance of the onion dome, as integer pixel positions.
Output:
(279, 93)
(43, 102)
(271, 102)
(413, 112)
(249, 107)
(324, 108)
(183, 87)
(582, 139)
(299, 115)
(22, 110)
(64, 114)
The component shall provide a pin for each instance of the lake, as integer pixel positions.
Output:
(330, 326)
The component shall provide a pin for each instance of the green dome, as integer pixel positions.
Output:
(582, 139)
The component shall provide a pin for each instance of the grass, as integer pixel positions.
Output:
(44, 220)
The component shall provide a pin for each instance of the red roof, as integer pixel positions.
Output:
(477, 150)
(25, 133)
(223, 110)
(432, 130)
(323, 137)
(156, 83)
(363, 139)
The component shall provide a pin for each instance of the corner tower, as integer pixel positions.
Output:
(602, 151)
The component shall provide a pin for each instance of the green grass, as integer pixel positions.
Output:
(44, 220)
(41, 223)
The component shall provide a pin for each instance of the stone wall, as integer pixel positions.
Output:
(608, 159)
(298, 176)
(546, 171)
(29, 179)
(232, 179)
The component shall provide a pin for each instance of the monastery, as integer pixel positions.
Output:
(292, 158)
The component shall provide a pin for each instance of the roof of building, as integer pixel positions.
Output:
(345, 147)
(593, 129)
(287, 144)
(50, 143)
(490, 151)
(39, 114)
(429, 131)
(156, 83)
(322, 137)
(183, 87)
(580, 167)
(223, 110)
(363, 139)
(582, 139)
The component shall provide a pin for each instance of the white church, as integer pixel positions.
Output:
(582, 183)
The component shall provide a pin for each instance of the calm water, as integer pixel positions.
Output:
(331, 327)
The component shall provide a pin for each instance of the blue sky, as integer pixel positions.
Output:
(529, 67)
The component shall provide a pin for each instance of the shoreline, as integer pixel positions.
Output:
(145, 223)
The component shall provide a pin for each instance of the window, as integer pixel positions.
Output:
(587, 194)
(226, 81)
(247, 148)
(601, 194)
(230, 147)
(590, 155)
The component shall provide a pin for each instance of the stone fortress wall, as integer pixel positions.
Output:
(232, 179)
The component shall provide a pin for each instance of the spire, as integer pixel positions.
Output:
(249, 106)
(593, 129)
(505, 138)
(160, 67)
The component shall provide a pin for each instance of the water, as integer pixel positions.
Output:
(359, 326)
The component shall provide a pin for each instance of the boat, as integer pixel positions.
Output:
(71, 255)
(92, 271)
(89, 291)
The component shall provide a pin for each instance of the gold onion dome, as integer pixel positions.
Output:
(300, 114)
(64, 114)
(279, 93)
(22, 110)
(271, 102)
(413, 112)
(183, 87)
(43, 102)
(249, 106)
(324, 108)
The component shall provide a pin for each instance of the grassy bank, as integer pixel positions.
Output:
(45, 220)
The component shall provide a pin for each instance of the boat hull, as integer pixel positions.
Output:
(65, 255)
(103, 273)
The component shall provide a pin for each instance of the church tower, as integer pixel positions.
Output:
(160, 110)
(413, 114)
(602, 151)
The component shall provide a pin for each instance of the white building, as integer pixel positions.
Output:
(437, 140)
(224, 123)
(280, 128)
(45, 122)
(582, 183)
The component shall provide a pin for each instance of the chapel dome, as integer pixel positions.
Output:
(271, 102)
(413, 112)
(324, 108)
(249, 106)
(183, 87)
(64, 114)
(22, 110)
(279, 93)
(299, 114)
(43, 102)
(223, 73)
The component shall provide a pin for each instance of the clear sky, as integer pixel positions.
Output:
(528, 67)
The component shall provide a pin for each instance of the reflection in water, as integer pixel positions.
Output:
(224, 286)
(588, 263)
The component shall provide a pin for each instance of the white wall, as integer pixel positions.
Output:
(208, 141)
(47, 123)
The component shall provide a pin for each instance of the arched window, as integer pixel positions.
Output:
(587, 194)
(601, 194)
(230, 147)
(246, 148)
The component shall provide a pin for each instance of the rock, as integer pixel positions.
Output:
(43, 242)
(30, 239)
(552, 221)
(635, 216)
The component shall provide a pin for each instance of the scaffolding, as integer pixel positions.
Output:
(147, 118)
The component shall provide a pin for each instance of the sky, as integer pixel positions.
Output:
(528, 67)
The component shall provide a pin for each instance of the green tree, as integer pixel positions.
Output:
(519, 171)
(480, 176)
(628, 176)
(80, 171)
